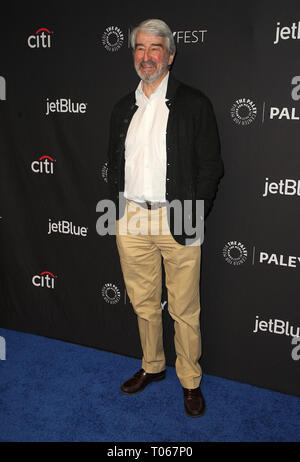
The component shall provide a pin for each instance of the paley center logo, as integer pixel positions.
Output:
(111, 293)
(2, 88)
(44, 279)
(65, 105)
(41, 38)
(112, 38)
(235, 253)
(243, 111)
(45, 164)
(287, 187)
(66, 227)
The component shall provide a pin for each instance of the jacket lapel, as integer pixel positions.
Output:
(173, 85)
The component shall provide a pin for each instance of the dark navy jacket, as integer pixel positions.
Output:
(194, 164)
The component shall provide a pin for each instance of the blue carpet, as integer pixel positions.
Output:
(56, 391)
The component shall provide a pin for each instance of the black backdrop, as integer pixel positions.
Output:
(75, 61)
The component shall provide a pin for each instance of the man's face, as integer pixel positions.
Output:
(151, 57)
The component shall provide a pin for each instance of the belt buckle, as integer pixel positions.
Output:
(148, 203)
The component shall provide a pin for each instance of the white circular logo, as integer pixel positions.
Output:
(111, 293)
(104, 170)
(112, 38)
(235, 253)
(243, 111)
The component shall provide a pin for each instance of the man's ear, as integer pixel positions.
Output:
(171, 58)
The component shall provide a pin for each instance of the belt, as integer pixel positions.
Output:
(150, 205)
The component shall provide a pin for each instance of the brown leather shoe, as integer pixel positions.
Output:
(140, 380)
(194, 404)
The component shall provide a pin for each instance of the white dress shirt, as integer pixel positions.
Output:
(145, 147)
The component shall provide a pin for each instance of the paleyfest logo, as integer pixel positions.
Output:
(243, 111)
(112, 38)
(235, 253)
(111, 293)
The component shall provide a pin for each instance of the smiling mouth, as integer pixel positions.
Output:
(147, 65)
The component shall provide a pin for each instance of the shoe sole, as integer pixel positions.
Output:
(159, 379)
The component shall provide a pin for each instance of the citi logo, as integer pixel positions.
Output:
(44, 279)
(45, 164)
(2, 88)
(65, 105)
(41, 39)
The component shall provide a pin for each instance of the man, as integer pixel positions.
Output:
(163, 147)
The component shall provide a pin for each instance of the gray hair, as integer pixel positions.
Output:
(155, 27)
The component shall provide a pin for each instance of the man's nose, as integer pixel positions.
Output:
(146, 55)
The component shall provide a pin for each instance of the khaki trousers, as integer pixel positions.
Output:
(143, 238)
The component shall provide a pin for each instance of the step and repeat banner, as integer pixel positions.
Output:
(62, 68)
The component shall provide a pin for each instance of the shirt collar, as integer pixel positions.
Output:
(160, 92)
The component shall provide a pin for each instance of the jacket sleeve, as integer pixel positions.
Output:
(210, 166)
